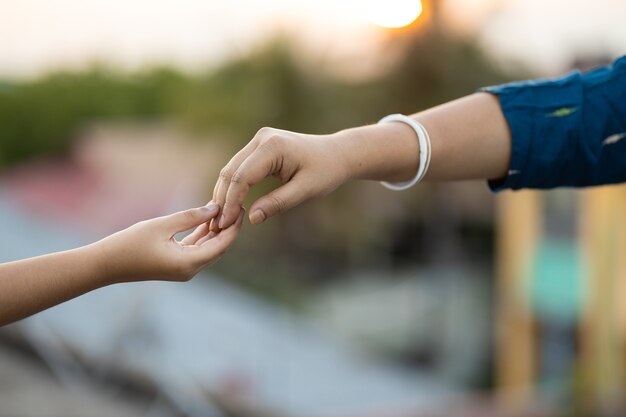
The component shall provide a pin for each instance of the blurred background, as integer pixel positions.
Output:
(444, 300)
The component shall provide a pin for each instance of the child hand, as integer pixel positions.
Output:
(149, 250)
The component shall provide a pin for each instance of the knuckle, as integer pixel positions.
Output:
(277, 203)
(272, 142)
(149, 226)
(238, 177)
(140, 225)
(264, 132)
(226, 173)
(190, 214)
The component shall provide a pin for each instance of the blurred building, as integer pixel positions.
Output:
(118, 174)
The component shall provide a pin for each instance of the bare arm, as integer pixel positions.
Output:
(35, 284)
(147, 250)
(470, 139)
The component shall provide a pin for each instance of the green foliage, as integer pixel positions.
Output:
(41, 117)
(267, 88)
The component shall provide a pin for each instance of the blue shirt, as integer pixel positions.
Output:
(568, 131)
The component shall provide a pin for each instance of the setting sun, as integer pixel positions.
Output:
(393, 13)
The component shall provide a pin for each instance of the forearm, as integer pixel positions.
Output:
(470, 139)
(32, 285)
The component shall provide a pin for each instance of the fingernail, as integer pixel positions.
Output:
(212, 207)
(222, 222)
(257, 217)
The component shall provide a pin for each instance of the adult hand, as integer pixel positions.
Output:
(477, 145)
(307, 165)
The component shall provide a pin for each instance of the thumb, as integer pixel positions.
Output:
(281, 199)
(187, 219)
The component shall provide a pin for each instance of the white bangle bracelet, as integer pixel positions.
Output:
(425, 150)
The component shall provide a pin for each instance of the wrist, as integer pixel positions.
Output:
(104, 262)
(386, 152)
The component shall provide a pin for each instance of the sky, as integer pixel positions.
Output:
(40, 35)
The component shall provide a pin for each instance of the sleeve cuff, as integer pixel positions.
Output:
(517, 120)
(541, 116)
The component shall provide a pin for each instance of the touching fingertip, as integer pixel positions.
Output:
(213, 226)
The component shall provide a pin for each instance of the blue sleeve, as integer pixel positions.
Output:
(568, 131)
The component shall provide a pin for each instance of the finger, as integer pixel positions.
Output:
(213, 225)
(221, 188)
(187, 219)
(258, 166)
(218, 186)
(281, 199)
(209, 236)
(199, 233)
(211, 250)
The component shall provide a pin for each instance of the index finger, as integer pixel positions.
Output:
(222, 185)
(259, 165)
